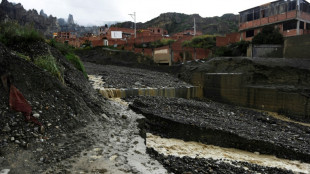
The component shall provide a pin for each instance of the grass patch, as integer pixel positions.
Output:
(11, 33)
(63, 48)
(49, 63)
(75, 60)
(68, 51)
(23, 56)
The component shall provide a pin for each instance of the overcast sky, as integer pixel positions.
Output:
(97, 12)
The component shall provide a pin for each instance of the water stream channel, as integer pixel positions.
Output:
(196, 150)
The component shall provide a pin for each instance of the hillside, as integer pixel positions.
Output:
(177, 22)
(16, 12)
(45, 24)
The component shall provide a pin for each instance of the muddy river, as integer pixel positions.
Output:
(180, 148)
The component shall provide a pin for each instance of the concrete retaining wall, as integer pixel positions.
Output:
(272, 51)
(231, 88)
(297, 47)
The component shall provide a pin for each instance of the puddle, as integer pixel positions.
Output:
(180, 148)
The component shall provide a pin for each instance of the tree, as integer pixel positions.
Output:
(268, 35)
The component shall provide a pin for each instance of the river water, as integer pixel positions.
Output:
(180, 148)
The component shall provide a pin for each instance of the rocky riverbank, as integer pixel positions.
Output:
(224, 125)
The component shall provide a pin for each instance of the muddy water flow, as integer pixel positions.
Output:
(180, 92)
(179, 148)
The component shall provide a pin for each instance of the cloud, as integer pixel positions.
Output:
(97, 11)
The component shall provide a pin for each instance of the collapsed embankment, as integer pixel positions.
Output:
(225, 126)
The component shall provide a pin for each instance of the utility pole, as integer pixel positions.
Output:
(298, 15)
(194, 27)
(134, 18)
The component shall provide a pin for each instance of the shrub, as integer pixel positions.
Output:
(48, 62)
(205, 41)
(268, 35)
(234, 49)
(75, 60)
(12, 33)
(63, 48)
(162, 42)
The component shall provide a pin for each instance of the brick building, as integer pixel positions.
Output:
(292, 17)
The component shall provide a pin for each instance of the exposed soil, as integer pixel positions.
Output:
(63, 109)
(83, 132)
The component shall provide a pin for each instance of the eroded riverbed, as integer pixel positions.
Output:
(175, 154)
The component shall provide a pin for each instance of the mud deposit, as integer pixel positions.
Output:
(225, 126)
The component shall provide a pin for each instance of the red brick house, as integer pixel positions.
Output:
(292, 17)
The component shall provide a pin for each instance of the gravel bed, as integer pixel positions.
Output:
(124, 77)
(224, 125)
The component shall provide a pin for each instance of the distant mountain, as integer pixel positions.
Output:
(45, 24)
(178, 22)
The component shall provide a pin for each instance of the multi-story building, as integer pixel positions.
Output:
(292, 17)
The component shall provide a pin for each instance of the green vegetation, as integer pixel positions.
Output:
(234, 49)
(12, 33)
(268, 35)
(75, 60)
(49, 63)
(162, 42)
(87, 44)
(63, 48)
(205, 41)
(23, 56)
(68, 51)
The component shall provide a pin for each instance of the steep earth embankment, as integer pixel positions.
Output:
(63, 109)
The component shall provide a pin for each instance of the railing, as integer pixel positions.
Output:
(268, 20)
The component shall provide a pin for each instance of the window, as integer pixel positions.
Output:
(249, 17)
(256, 12)
(249, 33)
(291, 6)
(302, 25)
(308, 26)
(290, 25)
(263, 12)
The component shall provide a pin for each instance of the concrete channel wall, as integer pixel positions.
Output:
(181, 92)
(232, 88)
